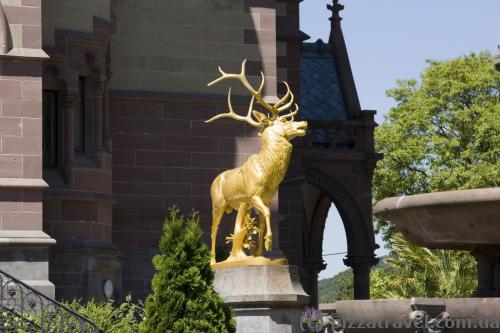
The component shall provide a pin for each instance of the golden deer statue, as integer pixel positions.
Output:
(254, 184)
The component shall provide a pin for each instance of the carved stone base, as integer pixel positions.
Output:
(265, 298)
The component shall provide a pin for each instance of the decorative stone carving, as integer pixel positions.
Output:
(4, 31)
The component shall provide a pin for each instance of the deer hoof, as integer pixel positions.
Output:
(269, 242)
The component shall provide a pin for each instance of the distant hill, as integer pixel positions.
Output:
(340, 286)
(336, 288)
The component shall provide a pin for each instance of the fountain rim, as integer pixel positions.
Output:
(457, 198)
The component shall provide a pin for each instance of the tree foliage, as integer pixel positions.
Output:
(380, 283)
(183, 299)
(409, 271)
(444, 132)
(341, 287)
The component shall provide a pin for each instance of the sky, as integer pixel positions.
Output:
(389, 40)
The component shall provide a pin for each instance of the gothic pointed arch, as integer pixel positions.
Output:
(358, 231)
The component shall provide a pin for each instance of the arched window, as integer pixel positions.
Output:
(52, 149)
(86, 113)
(50, 119)
(80, 117)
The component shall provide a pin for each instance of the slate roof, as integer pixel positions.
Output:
(321, 93)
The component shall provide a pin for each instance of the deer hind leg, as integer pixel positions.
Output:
(240, 233)
(260, 244)
(217, 213)
(266, 212)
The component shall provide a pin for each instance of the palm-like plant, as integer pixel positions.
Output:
(420, 272)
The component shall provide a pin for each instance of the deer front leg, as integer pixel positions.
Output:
(266, 212)
(216, 217)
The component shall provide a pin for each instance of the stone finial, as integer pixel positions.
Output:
(335, 8)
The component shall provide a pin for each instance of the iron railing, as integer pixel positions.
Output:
(24, 309)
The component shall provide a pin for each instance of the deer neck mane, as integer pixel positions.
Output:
(275, 156)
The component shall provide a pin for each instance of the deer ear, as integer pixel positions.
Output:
(262, 118)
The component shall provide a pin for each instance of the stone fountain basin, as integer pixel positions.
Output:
(446, 220)
(383, 316)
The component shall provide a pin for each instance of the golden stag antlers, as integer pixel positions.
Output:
(274, 109)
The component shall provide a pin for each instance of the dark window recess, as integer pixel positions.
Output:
(80, 118)
(49, 128)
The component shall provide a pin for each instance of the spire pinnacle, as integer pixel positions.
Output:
(335, 8)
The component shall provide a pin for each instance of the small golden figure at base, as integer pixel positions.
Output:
(254, 184)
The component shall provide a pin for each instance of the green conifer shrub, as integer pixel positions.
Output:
(183, 299)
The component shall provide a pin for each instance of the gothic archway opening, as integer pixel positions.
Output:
(319, 192)
(334, 248)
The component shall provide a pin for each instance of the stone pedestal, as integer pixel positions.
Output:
(265, 299)
(24, 255)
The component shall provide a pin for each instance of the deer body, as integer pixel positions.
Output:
(254, 184)
(260, 175)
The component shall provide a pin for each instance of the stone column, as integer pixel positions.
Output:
(313, 268)
(23, 244)
(496, 276)
(99, 125)
(361, 266)
(109, 75)
(70, 104)
(106, 130)
(485, 275)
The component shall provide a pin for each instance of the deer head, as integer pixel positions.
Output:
(272, 121)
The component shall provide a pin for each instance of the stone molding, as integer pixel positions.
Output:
(25, 183)
(78, 196)
(78, 245)
(438, 199)
(25, 237)
(22, 53)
